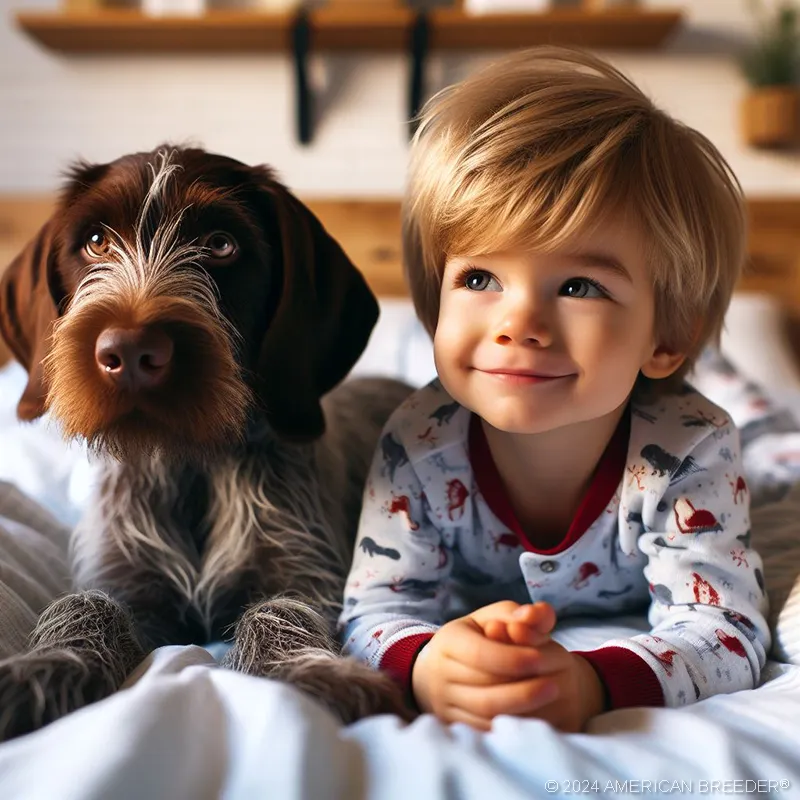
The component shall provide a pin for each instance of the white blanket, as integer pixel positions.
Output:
(190, 730)
(187, 729)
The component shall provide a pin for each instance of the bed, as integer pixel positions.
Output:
(183, 728)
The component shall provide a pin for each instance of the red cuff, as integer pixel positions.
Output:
(399, 658)
(628, 679)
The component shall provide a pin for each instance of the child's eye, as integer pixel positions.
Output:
(477, 280)
(582, 287)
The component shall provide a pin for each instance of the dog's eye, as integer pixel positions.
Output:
(97, 244)
(221, 246)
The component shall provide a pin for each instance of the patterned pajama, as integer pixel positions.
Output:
(670, 529)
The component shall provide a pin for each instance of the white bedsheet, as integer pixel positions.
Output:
(187, 729)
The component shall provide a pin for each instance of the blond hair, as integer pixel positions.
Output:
(529, 151)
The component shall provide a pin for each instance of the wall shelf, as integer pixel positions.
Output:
(344, 29)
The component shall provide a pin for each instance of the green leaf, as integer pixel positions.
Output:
(774, 57)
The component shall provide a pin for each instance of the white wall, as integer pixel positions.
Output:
(55, 108)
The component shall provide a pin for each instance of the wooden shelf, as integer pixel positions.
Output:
(343, 29)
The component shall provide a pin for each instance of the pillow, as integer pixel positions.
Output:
(772, 464)
(33, 566)
(770, 437)
(399, 347)
(36, 459)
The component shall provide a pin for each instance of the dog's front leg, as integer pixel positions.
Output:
(288, 640)
(136, 543)
(294, 553)
(82, 649)
(288, 636)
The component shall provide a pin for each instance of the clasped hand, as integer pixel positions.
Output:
(501, 660)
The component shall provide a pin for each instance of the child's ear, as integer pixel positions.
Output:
(662, 363)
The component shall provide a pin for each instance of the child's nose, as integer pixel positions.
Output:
(523, 326)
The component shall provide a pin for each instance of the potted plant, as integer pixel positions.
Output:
(770, 113)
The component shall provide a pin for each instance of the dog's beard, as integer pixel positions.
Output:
(202, 405)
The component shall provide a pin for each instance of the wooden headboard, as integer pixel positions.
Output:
(369, 231)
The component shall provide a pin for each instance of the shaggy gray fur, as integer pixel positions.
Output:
(172, 552)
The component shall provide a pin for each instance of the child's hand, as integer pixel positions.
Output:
(463, 675)
(581, 694)
(528, 625)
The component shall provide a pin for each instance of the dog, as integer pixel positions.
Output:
(191, 321)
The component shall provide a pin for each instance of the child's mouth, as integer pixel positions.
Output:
(523, 376)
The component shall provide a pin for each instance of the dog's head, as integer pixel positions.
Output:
(173, 291)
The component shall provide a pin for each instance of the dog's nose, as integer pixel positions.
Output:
(134, 358)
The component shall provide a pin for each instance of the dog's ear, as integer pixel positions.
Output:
(31, 290)
(27, 314)
(322, 322)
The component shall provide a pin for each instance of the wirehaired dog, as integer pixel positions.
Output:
(188, 318)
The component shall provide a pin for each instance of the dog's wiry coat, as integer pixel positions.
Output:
(223, 509)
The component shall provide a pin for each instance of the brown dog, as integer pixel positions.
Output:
(184, 314)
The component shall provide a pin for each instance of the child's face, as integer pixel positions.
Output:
(531, 342)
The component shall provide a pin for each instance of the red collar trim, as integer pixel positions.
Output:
(605, 482)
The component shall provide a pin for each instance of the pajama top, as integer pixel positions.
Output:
(665, 522)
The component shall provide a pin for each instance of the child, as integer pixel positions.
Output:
(571, 249)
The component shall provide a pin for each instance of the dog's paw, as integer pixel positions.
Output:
(41, 687)
(271, 633)
(350, 689)
(82, 649)
(287, 640)
(94, 625)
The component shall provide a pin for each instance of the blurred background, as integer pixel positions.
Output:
(94, 80)
(56, 106)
